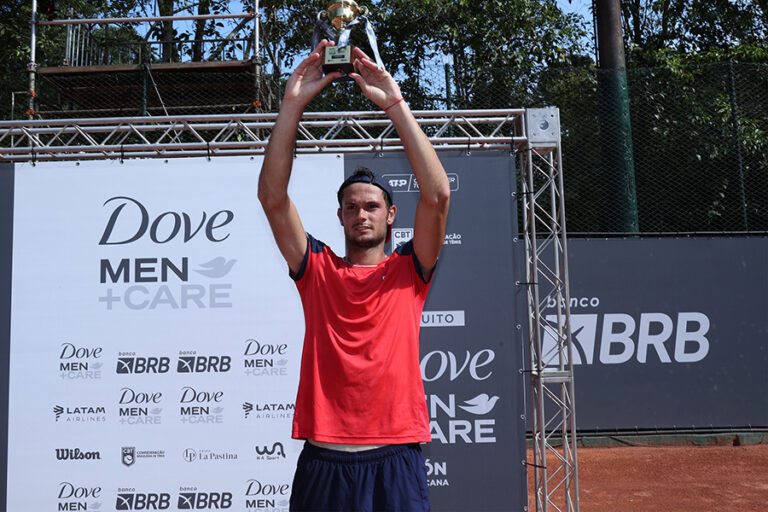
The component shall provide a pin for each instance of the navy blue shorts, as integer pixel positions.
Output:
(392, 478)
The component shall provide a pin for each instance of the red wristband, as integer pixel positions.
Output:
(392, 105)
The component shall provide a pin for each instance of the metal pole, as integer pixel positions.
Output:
(615, 127)
(737, 142)
(32, 66)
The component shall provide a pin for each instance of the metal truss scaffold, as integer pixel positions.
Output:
(555, 464)
(532, 134)
(248, 134)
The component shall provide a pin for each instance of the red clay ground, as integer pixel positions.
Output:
(672, 479)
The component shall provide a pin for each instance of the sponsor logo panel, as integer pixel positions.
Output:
(457, 416)
(201, 406)
(206, 455)
(257, 410)
(139, 407)
(190, 498)
(82, 413)
(72, 496)
(261, 359)
(276, 451)
(129, 455)
(163, 281)
(79, 362)
(617, 338)
(128, 498)
(263, 495)
(76, 454)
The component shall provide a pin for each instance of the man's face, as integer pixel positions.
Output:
(364, 215)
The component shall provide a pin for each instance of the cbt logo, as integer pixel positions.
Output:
(79, 362)
(189, 362)
(140, 407)
(201, 406)
(129, 499)
(621, 337)
(264, 359)
(129, 363)
(266, 495)
(72, 497)
(191, 499)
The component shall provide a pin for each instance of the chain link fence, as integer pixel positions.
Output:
(699, 134)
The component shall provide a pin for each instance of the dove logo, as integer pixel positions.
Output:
(444, 363)
(130, 220)
(447, 428)
(142, 501)
(201, 407)
(655, 337)
(140, 410)
(204, 500)
(72, 497)
(266, 495)
(79, 362)
(265, 360)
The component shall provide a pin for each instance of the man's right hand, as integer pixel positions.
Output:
(308, 79)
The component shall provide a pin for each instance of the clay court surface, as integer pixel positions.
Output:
(672, 479)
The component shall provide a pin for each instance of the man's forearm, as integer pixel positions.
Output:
(278, 158)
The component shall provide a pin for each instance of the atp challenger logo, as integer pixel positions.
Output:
(163, 282)
(408, 183)
(617, 338)
(265, 359)
(76, 362)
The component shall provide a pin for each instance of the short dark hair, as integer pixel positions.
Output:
(365, 175)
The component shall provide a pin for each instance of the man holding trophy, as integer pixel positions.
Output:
(360, 405)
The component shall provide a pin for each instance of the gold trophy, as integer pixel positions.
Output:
(343, 15)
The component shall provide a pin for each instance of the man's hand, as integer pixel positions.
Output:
(377, 84)
(308, 80)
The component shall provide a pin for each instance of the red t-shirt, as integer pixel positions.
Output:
(360, 378)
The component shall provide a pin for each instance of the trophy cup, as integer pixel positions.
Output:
(343, 15)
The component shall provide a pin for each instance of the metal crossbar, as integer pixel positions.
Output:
(248, 134)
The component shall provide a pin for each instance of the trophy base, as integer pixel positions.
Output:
(338, 59)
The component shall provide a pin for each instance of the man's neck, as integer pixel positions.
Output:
(365, 256)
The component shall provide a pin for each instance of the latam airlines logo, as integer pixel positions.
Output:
(617, 338)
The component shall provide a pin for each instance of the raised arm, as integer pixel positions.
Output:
(305, 82)
(434, 188)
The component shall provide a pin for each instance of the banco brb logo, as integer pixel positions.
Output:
(654, 336)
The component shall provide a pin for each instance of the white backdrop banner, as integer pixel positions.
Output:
(155, 335)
